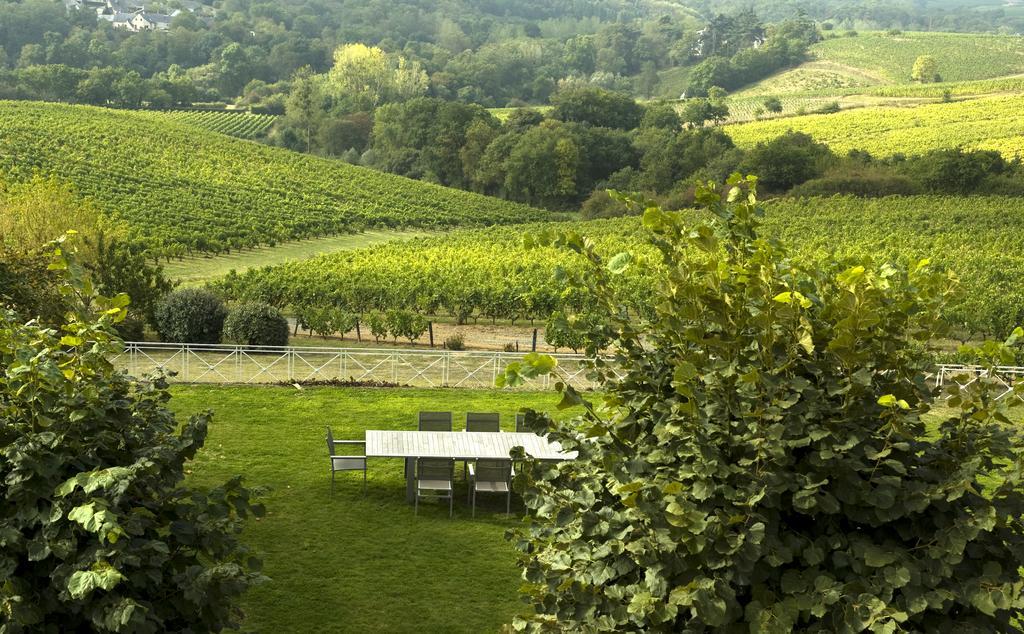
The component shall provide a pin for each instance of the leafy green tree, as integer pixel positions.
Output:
(773, 104)
(100, 531)
(787, 161)
(925, 70)
(700, 110)
(190, 315)
(424, 137)
(235, 69)
(759, 458)
(370, 77)
(596, 107)
(256, 324)
(304, 105)
(661, 116)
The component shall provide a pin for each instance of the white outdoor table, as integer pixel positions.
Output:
(458, 445)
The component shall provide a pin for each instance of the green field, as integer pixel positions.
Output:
(243, 125)
(182, 190)
(345, 563)
(199, 269)
(991, 123)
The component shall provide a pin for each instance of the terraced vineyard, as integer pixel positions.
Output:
(960, 57)
(490, 273)
(992, 123)
(243, 125)
(181, 190)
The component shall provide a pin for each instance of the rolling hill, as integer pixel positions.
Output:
(181, 189)
(990, 123)
(855, 64)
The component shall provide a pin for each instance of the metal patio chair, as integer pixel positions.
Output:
(435, 421)
(435, 478)
(475, 421)
(342, 462)
(483, 422)
(491, 476)
(521, 424)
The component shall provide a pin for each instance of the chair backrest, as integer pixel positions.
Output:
(521, 423)
(483, 422)
(435, 421)
(330, 442)
(435, 469)
(493, 470)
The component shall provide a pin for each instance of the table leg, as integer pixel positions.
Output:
(410, 480)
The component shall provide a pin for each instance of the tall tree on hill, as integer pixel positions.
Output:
(925, 70)
(304, 106)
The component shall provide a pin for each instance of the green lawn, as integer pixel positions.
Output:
(195, 271)
(348, 563)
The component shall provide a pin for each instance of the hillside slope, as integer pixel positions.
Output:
(182, 189)
(842, 65)
(991, 123)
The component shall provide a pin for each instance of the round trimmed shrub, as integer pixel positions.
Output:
(256, 324)
(191, 315)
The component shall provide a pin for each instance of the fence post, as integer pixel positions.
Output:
(185, 364)
(430, 329)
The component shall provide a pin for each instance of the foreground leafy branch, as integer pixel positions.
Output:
(762, 457)
(98, 531)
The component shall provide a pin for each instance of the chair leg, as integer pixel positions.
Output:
(474, 502)
(332, 481)
(508, 504)
(416, 505)
(364, 481)
(451, 503)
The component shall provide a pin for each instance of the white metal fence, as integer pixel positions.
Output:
(1003, 377)
(196, 363)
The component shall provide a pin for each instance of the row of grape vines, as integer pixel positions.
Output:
(243, 125)
(180, 190)
(992, 123)
(492, 273)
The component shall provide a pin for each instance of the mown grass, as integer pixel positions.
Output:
(348, 563)
(195, 271)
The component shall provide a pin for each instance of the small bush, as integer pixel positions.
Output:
(405, 324)
(326, 320)
(256, 324)
(787, 161)
(191, 315)
(455, 342)
(602, 205)
(865, 184)
(510, 347)
(831, 107)
(378, 326)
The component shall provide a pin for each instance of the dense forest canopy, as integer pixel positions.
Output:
(492, 52)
